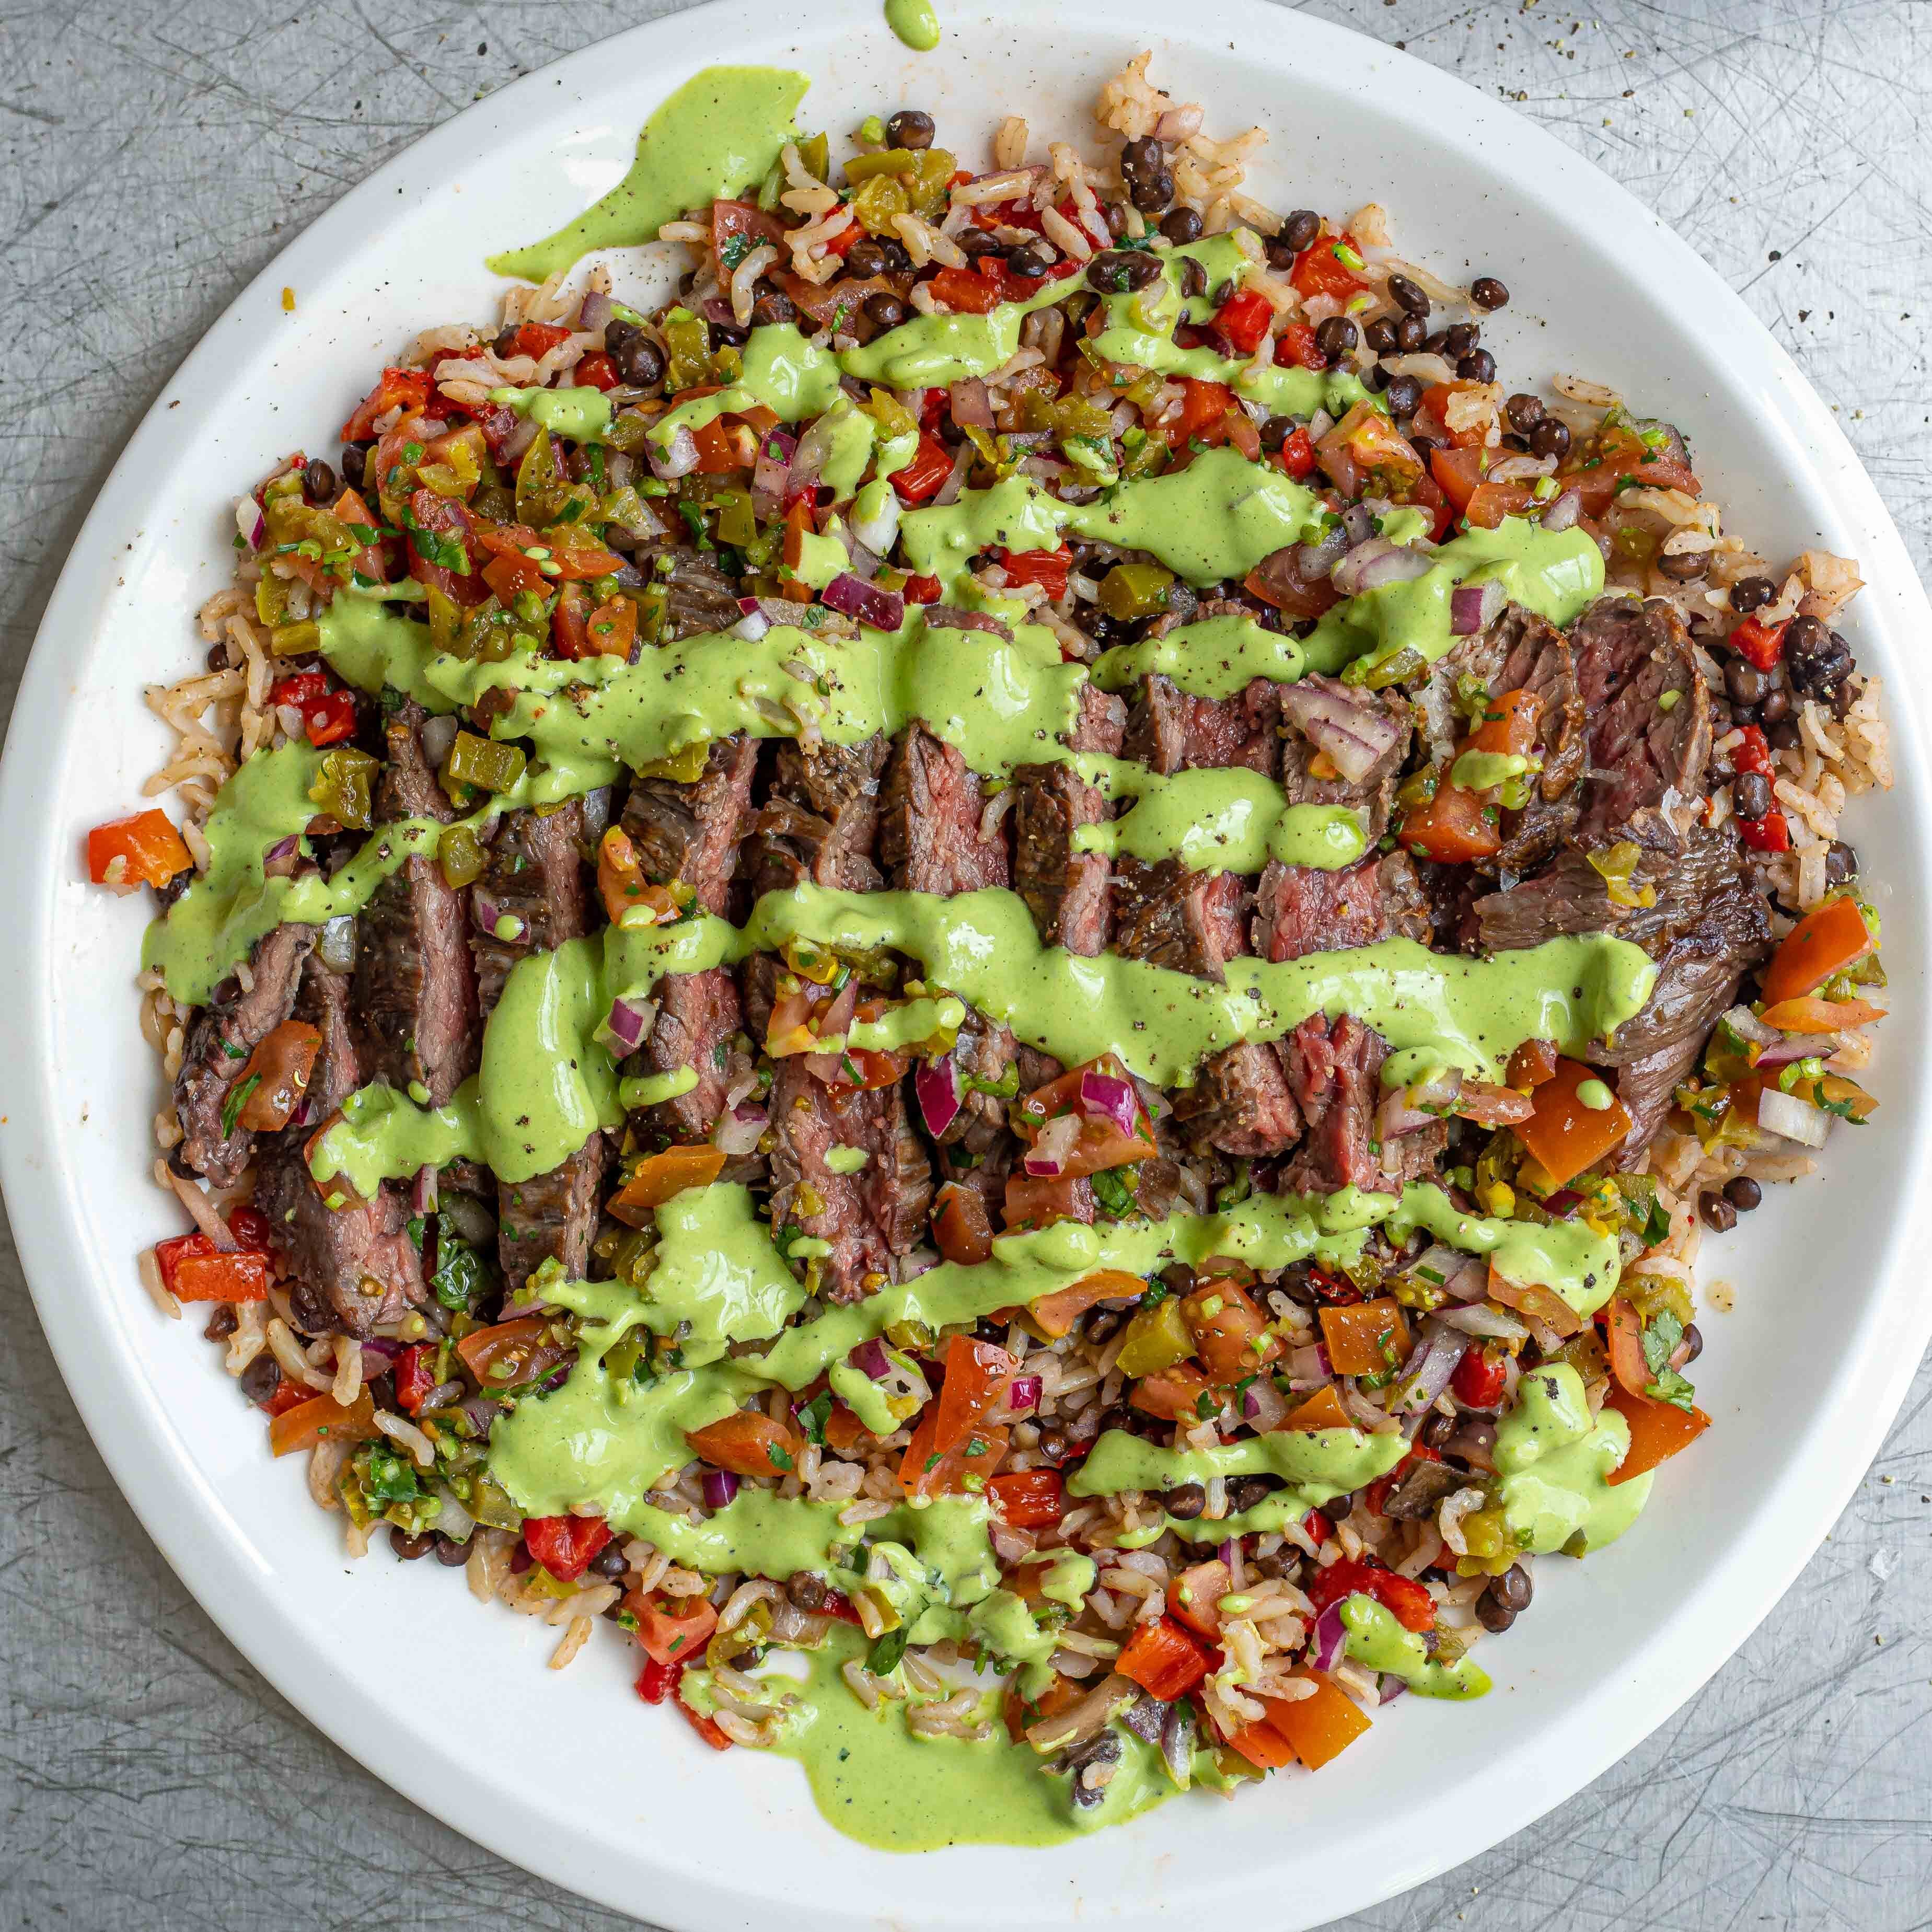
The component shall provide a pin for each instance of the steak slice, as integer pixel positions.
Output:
(534, 878)
(983, 1051)
(691, 832)
(551, 1216)
(1539, 661)
(1384, 715)
(698, 597)
(1334, 1071)
(1300, 909)
(1241, 1104)
(697, 1015)
(1169, 916)
(810, 1120)
(416, 987)
(898, 1185)
(1170, 730)
(1102, 725)
(822, 816)
(929, 830)
(216, 1046)
(1066, 891)
(1641, 752)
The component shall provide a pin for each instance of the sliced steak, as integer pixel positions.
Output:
(810, 1120)
(1102, 723)
(1539, 661)
(1639, 750)
(1066, 891)
(983, 1052)
(1241, 1104)
(1169, 916)
(551, 1216)
(929, 830)
(758, 987)
(1334, 1071)
(822, 816)
(533, 885)
(416, 986)
(1383, 715)
(898, 1184)
(691, 832)
(697, 1015)
(1300, 909)
(1169, 730)
(698, 597)
(216, 1046)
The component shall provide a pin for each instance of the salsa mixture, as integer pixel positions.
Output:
(994, 974)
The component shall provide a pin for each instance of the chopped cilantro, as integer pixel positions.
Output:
(885, 1654)
(238, 1098)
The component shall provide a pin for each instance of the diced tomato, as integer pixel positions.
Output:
(1296, 347)
(962, 290)
(612, 628)
(564, 1545)
(1454, 827)
(1203, 406)
(442, 525)
(506, 575)
(1046, 568)
(931, 465)
(1407, 1601)
(798, 526)
(656, 1681)
(150, 849)
(717, 455)
(1479, 1379)
(1261, 1744)
(1771, 833)
(1164, 1658)
(1427, 493)
(1196, 1596)
(921, 590)
(537, 339)
(672, 1630)
(569, 635)
(1029, 1499)
(1458, 474)
(1658, 1430)
(1563, 1135)
(1175, 1394)
(1823, 944)
(748, 1443)
(596, 370)
(322, 1418)
(288, 1395)
(1320, 270)
(405, 389)
(193, 1269)
(730, 220)
(1034, 1202)
(414, 1373)
(960, 1225)
(1242, 320)
(1296, 454)
(1489, 503)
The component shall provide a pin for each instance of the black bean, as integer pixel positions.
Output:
(1053, 1443)
(1178, 1278)
(883, 311)
(1336, 337)
(318, 481)
(450, 1554)
(505, 343)
(1815, 658)
(1115, 213)
(1550, 438)
(1193, 277)
(1719, 1215)
(1375, 379)
(1184, 225)
(806, 1589)
(642, 365)
(618, 334)
(773, 309)
(1405, 292)
(1300, 229)
(1122, 1417)
(610, 1563)
(1411, 333)
(1424, 446)
(1244, 1492)
(1405, 395)
(1513, 1588)
(1187, 1501)
(261, 1379)
(1115, 270)
(1777, 705)
(1841, 863)
(1276, 431)
(866, 259)
(356, 464)
(1784, 736)
(1752, 593)
(1461, 339)
(1026, 262)
(910, 128)
(1487, 292)
(1145, 156)
(1478, 366)
(1336, 1508)
(1494, 1615)
(1744, 714)
(1380, 335)
(1744, 683)
(409, 1548)
(1437, 344)
(1694, 1339)
(898, 262)
(1524, 411)
(1103, 1325)
(1750, 795)
(222, 1324)
(728, 335)
(1743, 1193)
(1152, 193)
(1686, 567)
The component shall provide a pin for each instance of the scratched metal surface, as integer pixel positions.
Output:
(153, 154)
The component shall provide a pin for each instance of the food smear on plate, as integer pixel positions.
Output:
(998, 975)
(915, 22)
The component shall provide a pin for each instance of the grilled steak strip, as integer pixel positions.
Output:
(929, 828)
(1066, 891)
(691, 832)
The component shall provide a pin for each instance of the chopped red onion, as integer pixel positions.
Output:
(720, 1486)
(282, 848)
(1791, 1118)
(936, 1084)
(754, 624)
(878, 533)
(1046, 1159)
(971, 406)
(1115, 1100)
(596, 312)
(250, 522)
(1392, 1687)
(680, 459)
(422, 1194)
(1355, 737)
(625, 1026)
(1329, 1640)
(870, 1358)
(1370, 565)
(716, 308)
(948, 491)
(1228, 1551)
(1430, 1369)
(1024, 1394)
(518, 439)
(853, 597)
(1563, 512)
(1475, 607)
(771, 474)
(1263, 1404)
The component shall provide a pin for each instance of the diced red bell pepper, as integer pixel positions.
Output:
(1164, 1658)
(1479, 1379)
(537, 339)
(1029, 1499)
(931, 465)
(193, 1269)
(564, 1545)
(406, 388)
(657, 1684)
(1771, 833)
(250, 1227)
(1046, 568)
(415, 1374)
(1297, 452)
(1319, 1528)
(597, 371)
(149, 846)
(1296, 347)
(330, 719)
(962, 290)
(922, 590)
(1761, 644)
(1242, 320)
(1407, 1601)
(1320, 270)
(1752, 752)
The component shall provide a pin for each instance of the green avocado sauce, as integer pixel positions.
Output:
(915, 23)
(584, 415)
(1319, 1464)
(1228, 820)
(1377, 1641)
(717, 135)
(1556, 1461)
(1216, 657)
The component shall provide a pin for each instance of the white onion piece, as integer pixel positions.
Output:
(1792, 1119)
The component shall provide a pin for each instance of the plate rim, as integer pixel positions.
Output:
(1758, 1567)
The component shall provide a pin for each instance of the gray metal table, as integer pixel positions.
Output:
(153, 154)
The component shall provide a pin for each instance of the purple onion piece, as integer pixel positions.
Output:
(936, 1084)
(720, 1486)
(1103, 1093)
(1227, 1550)
(1392, 1687)
(596, 312)
(1563, 512)
(680, 459)
(950, 617)
(1355, 736)
(1370, 565)
(423, 1194)
(1024, 1394)
(854, 597)
(381, 1347)
(870, 1358)
(625, 1026)
(1328, 1639)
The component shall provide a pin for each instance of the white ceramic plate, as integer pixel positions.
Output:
(568, 1774)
